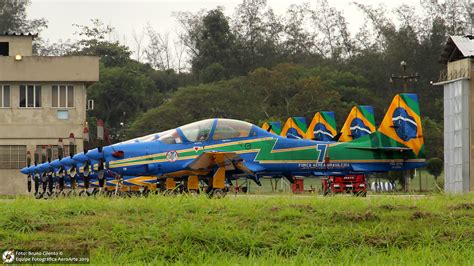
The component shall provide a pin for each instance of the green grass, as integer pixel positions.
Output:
(282, 230)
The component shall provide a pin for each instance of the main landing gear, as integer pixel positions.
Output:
(216, 187)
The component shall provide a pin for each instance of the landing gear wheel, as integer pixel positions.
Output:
(193, 193)
(170, 192)
(217, 193)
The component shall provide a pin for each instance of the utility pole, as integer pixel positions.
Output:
(406, 78)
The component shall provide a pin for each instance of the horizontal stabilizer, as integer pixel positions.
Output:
(381, 148)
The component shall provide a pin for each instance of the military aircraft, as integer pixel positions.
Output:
(359, 122)
(272, 127)
(218, 150)
(294, 127)
(322, 127)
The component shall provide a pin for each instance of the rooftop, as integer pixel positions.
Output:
(19, 34)
(457, 47)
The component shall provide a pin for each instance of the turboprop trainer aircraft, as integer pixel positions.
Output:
(216, 150)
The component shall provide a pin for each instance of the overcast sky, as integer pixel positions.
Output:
(127, 15)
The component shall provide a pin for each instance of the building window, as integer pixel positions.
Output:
(63, 96)
(30, 96)
(4, 49)
(4, 96)
(12, 156)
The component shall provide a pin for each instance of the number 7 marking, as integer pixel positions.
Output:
(322, 148)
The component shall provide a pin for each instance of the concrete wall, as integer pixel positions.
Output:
(38, 126)
(43, 120)
(12, 182)
(19, 45)
(458, 127)
(50, 68)
(41, 126)
(457, 136)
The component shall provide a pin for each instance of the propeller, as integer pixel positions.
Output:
(61, 169)
(35, 172)
(43, 168)
(86, 173)
(49, 154)
(28, 178)
(72, 148)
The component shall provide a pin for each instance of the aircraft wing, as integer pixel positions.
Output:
(229, 160)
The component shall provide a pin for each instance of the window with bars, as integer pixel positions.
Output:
(63, 96)
(12, 156)
(30, 96)
(4, 95)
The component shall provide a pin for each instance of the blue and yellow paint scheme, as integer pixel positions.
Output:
(360, 122)
(322, 127)
(294, 127)
(218, 149)
(193, 149)
(272, 127)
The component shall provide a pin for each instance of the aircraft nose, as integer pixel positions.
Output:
(24, 170)
(80, 157)
(94, 154)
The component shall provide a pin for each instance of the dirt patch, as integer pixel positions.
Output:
(420, 215)
(462, 206)
(44, 228)
(382, 241)
(355, 217)
(390, 207)
(303, 207)
(275, 208)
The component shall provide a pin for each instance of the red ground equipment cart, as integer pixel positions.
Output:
(355, 184)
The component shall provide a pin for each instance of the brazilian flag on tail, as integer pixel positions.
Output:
(360, 122)
(322, 127)
(294, 127)
(272, 127)
(402, 124)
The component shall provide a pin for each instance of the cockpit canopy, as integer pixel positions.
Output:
(209, 129)
(147, 138)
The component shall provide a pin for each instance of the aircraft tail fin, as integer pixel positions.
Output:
(272, 127)
(402, 124)
(359, 122)
(322, 127)
(294, 127)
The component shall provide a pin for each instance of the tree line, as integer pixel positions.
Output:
(258, 66)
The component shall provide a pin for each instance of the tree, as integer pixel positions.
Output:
(435, 167)
(215, 46)
(13, 19)
(334, 39)
(121, 94)
(158, 52)
(138, 41)
(94, 42)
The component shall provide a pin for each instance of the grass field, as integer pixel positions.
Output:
(283, 230)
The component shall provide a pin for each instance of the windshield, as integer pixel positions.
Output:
(228, 129)
(170, 137)
(197, 131)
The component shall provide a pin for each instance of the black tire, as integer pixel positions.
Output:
(193, 192)
(217, 193)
